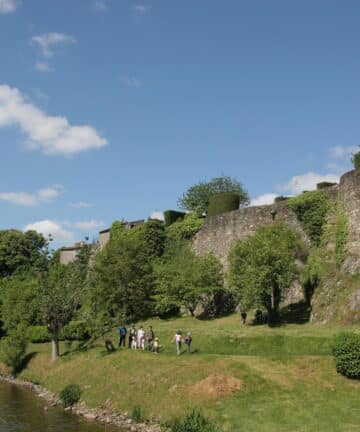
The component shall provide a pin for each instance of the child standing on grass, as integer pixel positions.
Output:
(156, 345)
(188, 340)
(141, 338)
(177, 339)
(132, 339)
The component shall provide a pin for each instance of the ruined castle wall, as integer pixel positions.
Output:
(349, 196)
(219, 233)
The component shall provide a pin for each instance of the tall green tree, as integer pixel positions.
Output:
(122, 281)
(262, 267)
(21, 252)
(61, 292)
(185, 280)
(197, 197)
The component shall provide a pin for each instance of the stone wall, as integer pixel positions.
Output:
(349, 196)
(219, 233)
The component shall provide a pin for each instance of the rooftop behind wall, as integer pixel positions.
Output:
(219, 233)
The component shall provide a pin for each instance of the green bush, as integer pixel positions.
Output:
(171, 216)
(70, 395)
(137, 414)
(311, 209)
(75, 330)
(194, 422)
(346, 350)
(222, 203)
(13, 349)
(38, 334)
(356, 160)
(324, 185)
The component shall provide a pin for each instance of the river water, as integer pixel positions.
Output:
(22, 411)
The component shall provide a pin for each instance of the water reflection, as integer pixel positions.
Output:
(21, 411)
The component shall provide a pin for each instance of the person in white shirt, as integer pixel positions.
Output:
(178, 339)
(141, 338)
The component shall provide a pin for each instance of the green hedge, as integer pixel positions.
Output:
(222, 203)
(346, 350)
(38, 334)
(356, 160)
(281, 198)
(171, 216)
(324, 185)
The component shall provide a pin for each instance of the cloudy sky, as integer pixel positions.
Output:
(110, 109)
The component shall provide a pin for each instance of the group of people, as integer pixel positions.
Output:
(146, 340)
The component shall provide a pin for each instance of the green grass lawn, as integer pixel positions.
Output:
(288, 375)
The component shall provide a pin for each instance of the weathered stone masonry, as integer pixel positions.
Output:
(219, 233)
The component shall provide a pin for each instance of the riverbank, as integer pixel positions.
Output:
(243, 377)
(122, 421)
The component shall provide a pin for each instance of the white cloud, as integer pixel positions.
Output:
(264, 199)
(157, 215)
(308, 181)
(100, 5)
(49, 134)
(339, 152)
(30, 200)
(9, 6)
(142, 8)
(48, 227)
(80, 205)
(90, 225)
(43, 67)
(130, 81)
(47, 42)
(39, 94)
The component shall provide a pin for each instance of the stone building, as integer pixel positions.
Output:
(68, 254)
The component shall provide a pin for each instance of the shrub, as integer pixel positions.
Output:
(13, 349)
(70, 395)
(324, 185)
(346, 350)
(75, 330)
(38, 334)
(137, 414)
(222, 203)
(194, 422)
(281, 198)
(171, 216)
(311, 209)
(356, 160)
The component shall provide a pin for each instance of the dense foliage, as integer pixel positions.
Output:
(262, 267)
(70, 395)
(21, 252)
(171, 216)
(311, 209)
(13, 348)
(222, 203)
(194, 422)
(197, 197)
(346, 350)
(356, 160)
(185, 281)
(181, 232)
(324, 185)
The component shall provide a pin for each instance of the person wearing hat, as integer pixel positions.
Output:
(188, 340)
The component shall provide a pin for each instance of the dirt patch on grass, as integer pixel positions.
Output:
(216, 386)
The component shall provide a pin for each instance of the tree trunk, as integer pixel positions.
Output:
(55, 348)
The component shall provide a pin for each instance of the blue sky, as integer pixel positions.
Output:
(111, 109)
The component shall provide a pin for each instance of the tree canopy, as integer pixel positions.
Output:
(197, 197)
(262, 267)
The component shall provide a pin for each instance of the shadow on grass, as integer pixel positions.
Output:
(296, 313)
(24, 362)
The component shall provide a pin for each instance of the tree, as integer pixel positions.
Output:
(197, 197)
(262, 267)
(21, 252)
(355, 159)
(185, 280)
(60, 293)
(121, 282)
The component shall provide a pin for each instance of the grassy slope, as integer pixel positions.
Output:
(290, 383)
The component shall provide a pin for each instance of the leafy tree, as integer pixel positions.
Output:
(122, 282)
(185, 280)
(311, 209)
(262, 267)
(181, 232)
(18, 301)
(197, 197)
(60, 293)
(13, 348)
(21, 252)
